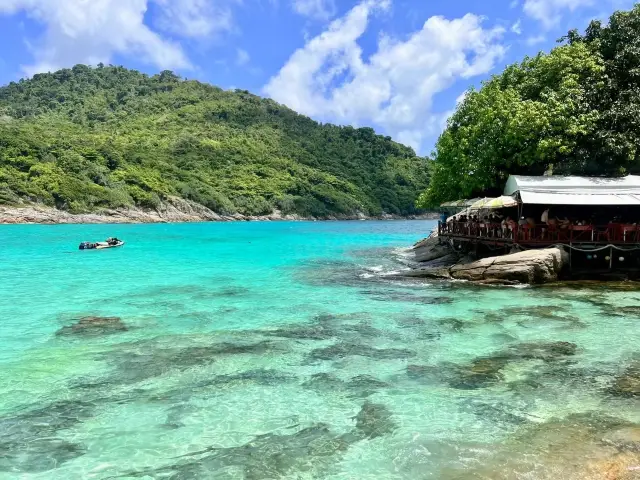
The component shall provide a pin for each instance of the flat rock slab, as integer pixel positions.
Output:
(529, 267)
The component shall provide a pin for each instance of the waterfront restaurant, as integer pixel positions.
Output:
(594, 218)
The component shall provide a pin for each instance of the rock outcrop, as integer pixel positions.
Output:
(92, 326)
(529, 267)
(430, 249)
(171, 210)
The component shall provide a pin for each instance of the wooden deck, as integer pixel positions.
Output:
(540, 236)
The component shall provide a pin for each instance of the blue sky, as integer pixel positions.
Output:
(399, 66)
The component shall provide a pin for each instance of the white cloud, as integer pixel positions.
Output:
(549, 12)
(531, 41)
(394, 89)
(93, 31)
(242, 57)
(517, 27)
(318, 9)
(194, 18)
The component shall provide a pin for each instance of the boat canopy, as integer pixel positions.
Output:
(559, 190)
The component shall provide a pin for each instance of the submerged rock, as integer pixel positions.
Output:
(624, 439)
(408, 322)
(428, 373)
(374, 420)
(30, 441)
(325, 327)
(131, 366)
(324, 381)
(481, 373)
(486, 371)
(452, 324)
(532, 315)
(269, 456)
(359, 386)
(583, 446)
(627, 384)
(595, 285)
(498, 412)
(304, 332)
(93, 326)
(263, 376)
(630, 311)
(403, 296)
(543, 351)
(342, 350)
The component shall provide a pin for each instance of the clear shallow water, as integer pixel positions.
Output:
(281, 350)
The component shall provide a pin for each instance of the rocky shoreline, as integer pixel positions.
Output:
(436, 260)
(173, 210)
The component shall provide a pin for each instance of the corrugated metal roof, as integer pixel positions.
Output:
(557, 190)
(544, 198)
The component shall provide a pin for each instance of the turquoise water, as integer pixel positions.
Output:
(284, 350)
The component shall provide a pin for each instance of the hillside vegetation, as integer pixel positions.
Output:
(85, 139)
(575, 110)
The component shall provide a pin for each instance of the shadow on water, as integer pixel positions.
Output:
(140, 361)
(487, 371)
(533, 315)
(31, 441)
(359, 386)
(311, 450)
(584, 446)
(342, 350)
(350, 327)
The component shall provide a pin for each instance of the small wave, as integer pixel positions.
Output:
(376, 269)
(381, 273)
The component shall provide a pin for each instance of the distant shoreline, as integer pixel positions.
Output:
(41, 215)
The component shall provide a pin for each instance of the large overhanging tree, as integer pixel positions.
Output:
(575, 109)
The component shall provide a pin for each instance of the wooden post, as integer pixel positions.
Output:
(610, 258)
(570, 260)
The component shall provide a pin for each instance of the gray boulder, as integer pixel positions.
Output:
(529, 267)
(430, 249)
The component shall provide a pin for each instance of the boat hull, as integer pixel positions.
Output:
(103, 246)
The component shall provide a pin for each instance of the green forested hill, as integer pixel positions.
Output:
(83, 139)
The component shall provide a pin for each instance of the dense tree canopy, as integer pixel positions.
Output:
(575, 110)
(86, 138)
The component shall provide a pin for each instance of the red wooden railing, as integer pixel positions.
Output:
(544, 234)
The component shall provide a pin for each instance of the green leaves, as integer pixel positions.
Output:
(561, 109)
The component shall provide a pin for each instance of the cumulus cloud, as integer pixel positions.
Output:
(549, 12)
(93, 31)
(194, 18)
(318, 9)
(395, 87)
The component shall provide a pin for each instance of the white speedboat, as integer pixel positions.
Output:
(109, 243)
